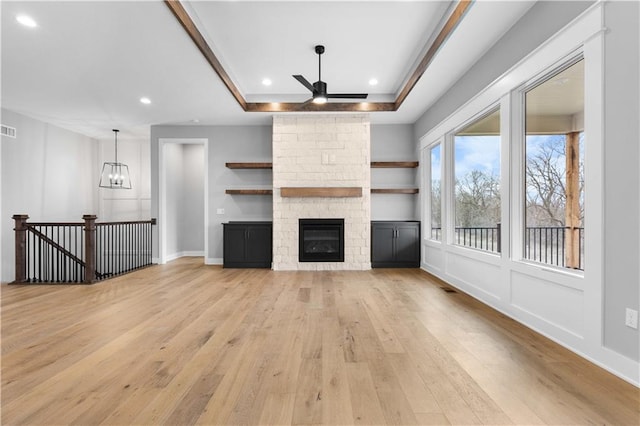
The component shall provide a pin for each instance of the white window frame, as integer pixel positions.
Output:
(428, 180)
(451, 174)
(519, 143)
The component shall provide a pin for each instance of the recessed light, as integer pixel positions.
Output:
(373, 82)
(266, 81)
(27, 21)
(145, 101)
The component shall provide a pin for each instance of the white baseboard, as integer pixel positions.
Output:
(625, 368)
(192, 254)
(180, 254)
(213, 261)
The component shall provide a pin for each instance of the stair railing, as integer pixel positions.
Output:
(79, 252)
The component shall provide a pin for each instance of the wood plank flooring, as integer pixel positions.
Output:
(185, 343)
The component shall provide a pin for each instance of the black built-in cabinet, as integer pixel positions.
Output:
(247, 244)
(395, 244)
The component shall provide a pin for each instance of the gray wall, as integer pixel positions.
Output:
(173, 163)
(253, 143)
(225, 144)
(184, 168)
(49, 173)
(621, 179)
(621, 109)
(394, 142)
(192, 206)
(541, 21)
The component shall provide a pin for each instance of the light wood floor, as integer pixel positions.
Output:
(185, 343)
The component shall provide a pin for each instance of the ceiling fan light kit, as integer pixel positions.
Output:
(318, 89)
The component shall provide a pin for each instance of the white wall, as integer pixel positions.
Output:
(49, 173)
(129, 204)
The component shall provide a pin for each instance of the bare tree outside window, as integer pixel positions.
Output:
(554, 170)
(477, 184)
(436, 197)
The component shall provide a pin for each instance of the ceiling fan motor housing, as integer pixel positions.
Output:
(319, 88)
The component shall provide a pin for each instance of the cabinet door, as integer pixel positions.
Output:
(234, 245)
(259, 244)
(382, 248)
(408, 244)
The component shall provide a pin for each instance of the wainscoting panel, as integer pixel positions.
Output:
(432, 257)
(555, 304)
(474, 273)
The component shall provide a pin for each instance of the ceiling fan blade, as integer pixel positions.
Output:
(305, 103)
(347, 95)
(304, 82)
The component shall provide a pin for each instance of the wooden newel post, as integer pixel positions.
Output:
(90, 247)
(21, 247)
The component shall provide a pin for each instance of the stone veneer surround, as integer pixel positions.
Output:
(322, 151)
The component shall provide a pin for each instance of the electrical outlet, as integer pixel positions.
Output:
(631, 318)
(219, 211)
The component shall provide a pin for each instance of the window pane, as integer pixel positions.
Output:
(554, 172)
(436, 201)
(477, 184)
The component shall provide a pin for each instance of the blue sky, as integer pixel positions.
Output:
(483, 153)
(471, 153)
(477, 153)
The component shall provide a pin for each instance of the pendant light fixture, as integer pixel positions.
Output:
(115, 175)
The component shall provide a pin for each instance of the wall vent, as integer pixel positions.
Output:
(8, 131)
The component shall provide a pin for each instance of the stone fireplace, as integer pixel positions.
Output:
(321, 170)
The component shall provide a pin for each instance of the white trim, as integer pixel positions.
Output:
(213, 261)
(585, 27)
(579, 328)
(199, 253)
(594, 255)
(625, 368)
(162, 202)
(180, 254)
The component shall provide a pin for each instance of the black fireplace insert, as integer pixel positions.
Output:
(321, 240)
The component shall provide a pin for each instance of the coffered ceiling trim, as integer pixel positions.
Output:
(189, 26)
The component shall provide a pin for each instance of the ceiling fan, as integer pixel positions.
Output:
(319, 88)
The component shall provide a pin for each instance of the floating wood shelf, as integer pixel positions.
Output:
(249, 165)
(394, 190)
(329, 192)
(249, 192)
(394, 164)
(374, 165)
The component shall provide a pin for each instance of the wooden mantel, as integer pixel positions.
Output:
(328, 192)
